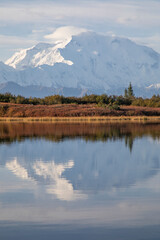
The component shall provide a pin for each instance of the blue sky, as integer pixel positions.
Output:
(24, 23)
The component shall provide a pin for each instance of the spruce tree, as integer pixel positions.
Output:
(130, 90)
(125, 93)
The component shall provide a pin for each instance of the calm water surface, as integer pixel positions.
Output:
(79, 181)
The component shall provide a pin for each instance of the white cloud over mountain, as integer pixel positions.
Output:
(64, 33)
(21, 19)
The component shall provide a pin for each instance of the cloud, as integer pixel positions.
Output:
(151, 41)
(64, 33)
(6, 40)
(126, 20)
(11, 44)
(130, 12)
(36, 18)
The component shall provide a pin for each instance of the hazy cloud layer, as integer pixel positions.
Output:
(34, 19)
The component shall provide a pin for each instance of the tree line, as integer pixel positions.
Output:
(112, 101)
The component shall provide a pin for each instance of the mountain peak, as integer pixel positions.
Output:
(45, 53)
(38, 55)
(77, 58)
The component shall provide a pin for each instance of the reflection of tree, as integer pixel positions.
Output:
(129, 142)
(10, 132)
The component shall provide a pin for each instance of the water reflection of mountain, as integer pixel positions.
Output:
(77, 163)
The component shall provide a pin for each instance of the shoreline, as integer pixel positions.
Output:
(91, 119)
(76, 113)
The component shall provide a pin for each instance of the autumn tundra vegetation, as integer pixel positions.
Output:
(101, 100)
(88, 105)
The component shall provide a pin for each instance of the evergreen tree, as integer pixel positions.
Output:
(130, 90)
(125, 93)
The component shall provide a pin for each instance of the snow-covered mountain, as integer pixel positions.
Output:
(84, 60)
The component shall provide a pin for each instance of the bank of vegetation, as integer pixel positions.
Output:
(113, 102)
(88, 105)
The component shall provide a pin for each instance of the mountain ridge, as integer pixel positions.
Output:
(87, 60)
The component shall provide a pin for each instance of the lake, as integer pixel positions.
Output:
(80, 181)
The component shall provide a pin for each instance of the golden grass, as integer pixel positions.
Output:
(92, 119)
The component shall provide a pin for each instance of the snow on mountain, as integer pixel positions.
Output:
(42, 53)
(80, 59)
(7, 73)
(156, 86)
(45, 53)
